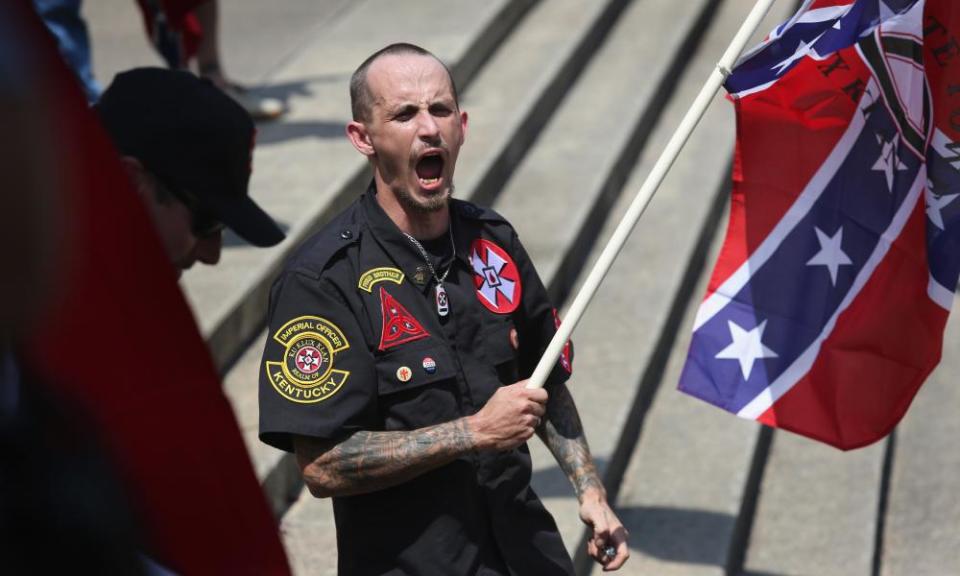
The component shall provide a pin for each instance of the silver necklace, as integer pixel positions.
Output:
(440, 294)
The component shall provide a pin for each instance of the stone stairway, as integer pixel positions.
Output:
(570, 103)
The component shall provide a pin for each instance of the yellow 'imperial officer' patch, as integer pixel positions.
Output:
(306, 374)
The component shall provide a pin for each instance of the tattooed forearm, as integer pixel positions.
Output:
(369, 461)
(562, 432)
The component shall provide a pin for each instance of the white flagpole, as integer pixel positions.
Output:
(646, 192)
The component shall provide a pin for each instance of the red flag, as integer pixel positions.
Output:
(119, 343)
(827, 306)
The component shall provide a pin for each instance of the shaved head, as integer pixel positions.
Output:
(361, 97)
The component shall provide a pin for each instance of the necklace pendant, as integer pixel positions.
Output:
(443, 304)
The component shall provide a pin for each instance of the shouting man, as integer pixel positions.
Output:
(400, 337)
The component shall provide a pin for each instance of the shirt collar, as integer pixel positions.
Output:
(400, 249)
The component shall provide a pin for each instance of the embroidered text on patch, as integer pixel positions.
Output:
(371, 277)
(306, 374)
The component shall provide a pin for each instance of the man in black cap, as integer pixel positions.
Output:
(188, 149)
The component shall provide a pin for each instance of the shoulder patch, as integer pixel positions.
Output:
(399, 326)
(306, 374)
(495, 276)
(371, 277)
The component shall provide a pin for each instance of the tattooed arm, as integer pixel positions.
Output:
(367, 461)
(563, 434)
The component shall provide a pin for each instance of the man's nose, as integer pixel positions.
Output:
(208, 248)
(428, 130)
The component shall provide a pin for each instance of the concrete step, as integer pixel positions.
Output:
(256, 37)
(682, 492)
(277, 470)
(923, 513)
(310, 537)
(304, 167)
(817, 510)
(575, 172)
(519, 89)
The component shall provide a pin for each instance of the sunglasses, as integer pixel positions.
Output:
(203, 223)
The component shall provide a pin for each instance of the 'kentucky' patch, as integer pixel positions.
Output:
(495, 276)
(399, 326)
(375, 275)
(306, 375)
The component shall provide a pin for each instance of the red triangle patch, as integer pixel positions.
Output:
(399, 326)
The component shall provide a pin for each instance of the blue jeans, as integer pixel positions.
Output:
(63, 19)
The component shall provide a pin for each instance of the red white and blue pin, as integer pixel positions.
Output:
(429, 365)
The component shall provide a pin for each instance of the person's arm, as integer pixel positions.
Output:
(367, 461)
(563, 434)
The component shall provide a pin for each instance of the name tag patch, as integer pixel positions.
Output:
(375, 275)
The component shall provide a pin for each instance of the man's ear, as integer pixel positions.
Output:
(360, 138)
(137, 175)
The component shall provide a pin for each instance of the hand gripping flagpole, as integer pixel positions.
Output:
(646, 192)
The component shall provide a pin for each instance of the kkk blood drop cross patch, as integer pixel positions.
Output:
(309, 359)
(495, 276)
(399, 326)
(306, 374)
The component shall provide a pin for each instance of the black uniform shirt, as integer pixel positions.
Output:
(356, 342)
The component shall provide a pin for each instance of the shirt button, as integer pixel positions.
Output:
(346, 234)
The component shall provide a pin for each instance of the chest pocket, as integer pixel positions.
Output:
(498, 344)
(416, 386)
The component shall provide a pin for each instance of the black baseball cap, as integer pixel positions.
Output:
(194, 138)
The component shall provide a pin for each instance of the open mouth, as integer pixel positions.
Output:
(430, 169)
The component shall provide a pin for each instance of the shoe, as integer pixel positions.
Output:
(259, 107)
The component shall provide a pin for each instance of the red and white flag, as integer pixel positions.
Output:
(827, 305)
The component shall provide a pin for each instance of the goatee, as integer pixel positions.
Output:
(428, 205)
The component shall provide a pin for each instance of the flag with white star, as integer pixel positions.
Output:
(826, 308)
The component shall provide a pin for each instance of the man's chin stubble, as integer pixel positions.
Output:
(429, 206)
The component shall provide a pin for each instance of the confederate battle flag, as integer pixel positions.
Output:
(826, 308)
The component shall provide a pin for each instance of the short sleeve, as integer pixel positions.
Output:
(537, 321)
(317, 376)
